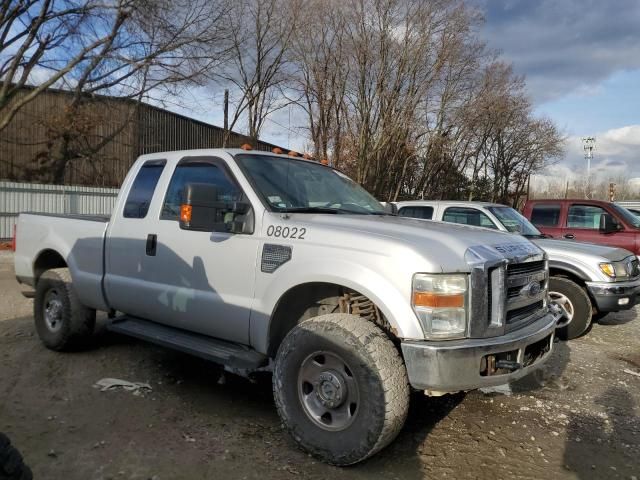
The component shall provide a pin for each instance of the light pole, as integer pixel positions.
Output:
(589, 145)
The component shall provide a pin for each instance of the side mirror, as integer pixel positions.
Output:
(390, 208)
(202, 211)
(608, 224)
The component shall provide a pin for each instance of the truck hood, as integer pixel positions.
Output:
(581, 251)
(442, 244)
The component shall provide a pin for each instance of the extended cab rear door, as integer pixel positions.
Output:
(193, 280)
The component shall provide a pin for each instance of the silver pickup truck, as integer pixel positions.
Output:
(587, 280)
(263, 261)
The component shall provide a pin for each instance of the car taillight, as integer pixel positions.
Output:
(13, 239)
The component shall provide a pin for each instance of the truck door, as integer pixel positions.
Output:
(583, 224)
(202, 281)
(126, 264)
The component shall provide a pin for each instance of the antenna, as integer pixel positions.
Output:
(589, 145)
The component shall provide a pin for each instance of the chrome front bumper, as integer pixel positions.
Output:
(452, 366)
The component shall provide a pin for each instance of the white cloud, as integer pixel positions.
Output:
(616, 157)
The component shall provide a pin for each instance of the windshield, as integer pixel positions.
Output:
(514, 222)
(289, 185)
(627, 215)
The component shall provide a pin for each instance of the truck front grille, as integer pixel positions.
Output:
(634, 268)
(523, 312)
(527, 267)
(526, 286)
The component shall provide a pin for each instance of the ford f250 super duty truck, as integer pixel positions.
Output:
(587, 280)
(263, 261)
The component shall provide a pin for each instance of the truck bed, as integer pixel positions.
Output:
(79, 239)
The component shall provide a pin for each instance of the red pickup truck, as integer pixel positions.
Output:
(591, 221)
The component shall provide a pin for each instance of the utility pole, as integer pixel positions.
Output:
(225, 134)
(589, 145)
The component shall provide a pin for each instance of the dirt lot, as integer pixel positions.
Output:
(578, 419)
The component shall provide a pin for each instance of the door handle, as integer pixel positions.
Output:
(570, 236)
(152, 243)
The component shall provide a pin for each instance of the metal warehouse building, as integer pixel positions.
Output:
(123, 129)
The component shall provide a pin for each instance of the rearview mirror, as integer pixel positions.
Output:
(202, 211)
(608, 224)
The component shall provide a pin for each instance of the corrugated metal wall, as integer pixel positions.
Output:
(33, 197)
(26, 145)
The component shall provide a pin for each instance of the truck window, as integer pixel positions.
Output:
(468, 216)
(425, 213)
(545, 215)
(141, 192)
(196, 172)
(287, 184)
(585, 216)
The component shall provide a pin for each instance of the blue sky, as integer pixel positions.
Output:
(581, 59)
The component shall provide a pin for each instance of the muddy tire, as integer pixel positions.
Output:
(341, 388)
(62, 322)
(12, 465)
(572, 298)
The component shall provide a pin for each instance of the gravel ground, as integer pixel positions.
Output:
(578, 418)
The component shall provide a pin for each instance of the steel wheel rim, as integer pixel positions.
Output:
(328, 391)
(52, 310)
(564, 303)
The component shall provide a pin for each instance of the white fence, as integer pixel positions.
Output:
(33, 197)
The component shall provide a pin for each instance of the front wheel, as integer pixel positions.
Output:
(341, 388)
(575, 304)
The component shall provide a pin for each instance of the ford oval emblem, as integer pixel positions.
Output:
(531, 290)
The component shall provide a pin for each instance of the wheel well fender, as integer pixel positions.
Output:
(561, 269)
(46, 260)
(304, 299)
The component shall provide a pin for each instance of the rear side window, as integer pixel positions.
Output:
(585, 216)
(142, 189)
(545, 215)
(425, 213)
(197, 172)
(468, 216)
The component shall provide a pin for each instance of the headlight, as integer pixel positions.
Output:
(614, 270)
(440, 303)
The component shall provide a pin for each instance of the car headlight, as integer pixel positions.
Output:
(616, 270)
(440, 302)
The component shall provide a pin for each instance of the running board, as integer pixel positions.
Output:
(218, 351)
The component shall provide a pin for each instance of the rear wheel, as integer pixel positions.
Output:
(62, 322)
(340, 387)
(575, 304)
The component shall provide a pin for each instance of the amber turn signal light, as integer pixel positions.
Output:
(185, 213)
(432, 300)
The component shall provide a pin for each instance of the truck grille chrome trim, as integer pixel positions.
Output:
(274, 256)
(527, 285)
(633, 268)
(506, 293)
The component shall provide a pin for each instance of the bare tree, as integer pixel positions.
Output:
(320, 75)
(130, 49)
(260, 37)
